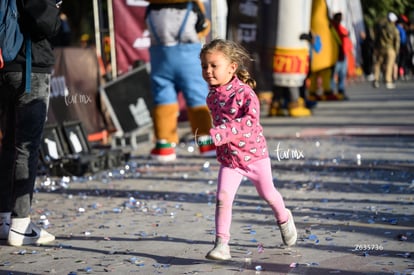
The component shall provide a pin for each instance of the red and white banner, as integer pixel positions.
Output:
(131, 35)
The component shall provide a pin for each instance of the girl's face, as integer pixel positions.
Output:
(217, 68)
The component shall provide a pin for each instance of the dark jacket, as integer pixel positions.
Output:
(39, 19)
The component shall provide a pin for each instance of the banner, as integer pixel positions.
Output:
(250, 23)
(131, 35)
(74, 89)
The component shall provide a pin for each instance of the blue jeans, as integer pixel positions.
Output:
(341, 68)
(22, 118)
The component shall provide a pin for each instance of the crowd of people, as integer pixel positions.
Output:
(388, 51)
(387, 56)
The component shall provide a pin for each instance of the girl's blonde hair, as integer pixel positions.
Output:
(235, 53)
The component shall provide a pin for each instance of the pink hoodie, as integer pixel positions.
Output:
(237, 132)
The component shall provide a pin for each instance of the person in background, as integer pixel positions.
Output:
(315, 44)
(23, 115)
(238, 136)
(403, 55)
(63, 38)
(85, 41)
(341, 66)
(410, 38)
(386, 47)
(176, 29)
(367, 49)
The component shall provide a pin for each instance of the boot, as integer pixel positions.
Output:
(165, 131)
(201, 123)
(206, 146)
(298, 108)
(288, 230)
(265, 99)
(163, 151)
(313, 96)
(24, 232)
(4, 225)
(221, 251)
(330, 96)
(277, 109)
(274, 108)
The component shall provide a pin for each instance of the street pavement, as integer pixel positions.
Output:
(347, 174)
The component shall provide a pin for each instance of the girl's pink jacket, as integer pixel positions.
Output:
(237, 132)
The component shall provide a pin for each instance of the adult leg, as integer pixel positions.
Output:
(333, 80)
(314, 86)
(389, 69)
(7, 149)
(378, 61)
(30, 115)
(329, 82)
(342, 72)
(30, 118)
(7, 153)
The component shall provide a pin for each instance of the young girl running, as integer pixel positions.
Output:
(238, 136)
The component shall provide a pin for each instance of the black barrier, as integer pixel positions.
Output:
(65, 151)
(129, 100)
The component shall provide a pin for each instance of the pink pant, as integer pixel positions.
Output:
(260, 173)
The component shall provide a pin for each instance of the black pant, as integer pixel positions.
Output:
(22, 118)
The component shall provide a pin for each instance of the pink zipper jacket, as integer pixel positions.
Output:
(237, 132)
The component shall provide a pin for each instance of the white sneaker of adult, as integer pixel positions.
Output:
(390, 85)
(24, 232)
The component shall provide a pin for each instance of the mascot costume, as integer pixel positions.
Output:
(176, 28)
(324, 60)
(291, 58)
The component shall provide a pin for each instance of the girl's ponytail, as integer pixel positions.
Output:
(245, 77)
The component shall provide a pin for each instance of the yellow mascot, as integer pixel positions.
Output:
(322, 61)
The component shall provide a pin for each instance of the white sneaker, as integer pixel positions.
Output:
(221, 251)
(4, 225)
(288, 230)
(390, 85)
(24, 232)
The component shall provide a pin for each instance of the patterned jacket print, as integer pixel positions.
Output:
(237, 132)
